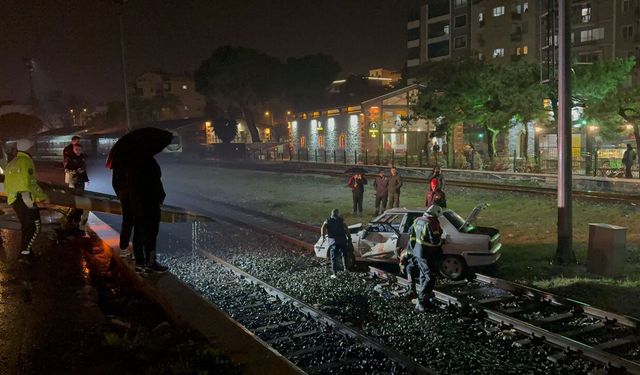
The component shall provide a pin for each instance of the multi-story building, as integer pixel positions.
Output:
(437, 29)
(155, 84)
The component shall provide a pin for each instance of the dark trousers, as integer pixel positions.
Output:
(127, 220)
(425, 261)
(75, 216)
(29, 222)
(413, 273)
(357, 201)
(146, 224)
(338, 251)
(381, 204)
(627, 171)
(394, 202)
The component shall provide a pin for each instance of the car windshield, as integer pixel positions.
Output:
(393, 219)
(457, 221)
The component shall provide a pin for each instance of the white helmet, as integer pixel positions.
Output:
(433, 210)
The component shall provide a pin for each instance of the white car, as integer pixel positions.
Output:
(465, 245)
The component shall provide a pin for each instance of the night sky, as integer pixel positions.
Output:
(76, 46)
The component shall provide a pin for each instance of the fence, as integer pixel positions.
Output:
(603, 164)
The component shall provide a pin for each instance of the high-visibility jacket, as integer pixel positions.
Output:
(426, 231)
(20, 176)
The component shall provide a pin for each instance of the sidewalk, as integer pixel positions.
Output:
(49, 319)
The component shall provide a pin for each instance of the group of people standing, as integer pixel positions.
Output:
(386, 191)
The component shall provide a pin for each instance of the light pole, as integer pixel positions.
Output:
(564, 251)
(30, 64)
(123, 61)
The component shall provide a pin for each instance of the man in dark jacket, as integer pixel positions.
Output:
(146, 195)
(356, 183)
(627, 159)
(381, 187)
(395, 183)
(76, 167)
(336, 230)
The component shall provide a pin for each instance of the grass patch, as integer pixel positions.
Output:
(527, 223)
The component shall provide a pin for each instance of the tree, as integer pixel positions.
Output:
(226, 129)
(16, 125)
(240, 76)
(613, 103)
(145, 110)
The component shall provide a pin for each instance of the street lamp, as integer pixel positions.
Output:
(270, 115)
(123, 61)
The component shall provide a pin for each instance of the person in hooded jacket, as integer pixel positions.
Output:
(435, 195)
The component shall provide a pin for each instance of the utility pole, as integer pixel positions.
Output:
(564, 251)
(123, 61)
(30, 64)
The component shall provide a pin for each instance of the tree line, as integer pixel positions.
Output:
(497, 97)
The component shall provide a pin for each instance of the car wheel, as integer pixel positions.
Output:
(453, 267)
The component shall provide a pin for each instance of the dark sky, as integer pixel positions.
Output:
(76, 45)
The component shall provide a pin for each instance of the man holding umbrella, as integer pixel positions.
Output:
(356, 182)
(137, 182)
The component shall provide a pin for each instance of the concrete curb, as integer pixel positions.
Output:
(186, 307)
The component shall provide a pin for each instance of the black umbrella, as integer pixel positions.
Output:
(138, 143)
(355, 170)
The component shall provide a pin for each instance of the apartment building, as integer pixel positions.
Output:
(436, 30)
(153, 84)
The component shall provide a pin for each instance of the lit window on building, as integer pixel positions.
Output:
(460, 3)
(480, 17)
(593, 34)
(446, 30)
(267, 134)
(186, 108)
(525, 50)
(184, 87)
(498, 11)
(321, 141)
(627, 31)
(303, 142)
(586, 14)
(518, 51)
(498, 52)
(342, 141)
(208, 128)
(460, 42)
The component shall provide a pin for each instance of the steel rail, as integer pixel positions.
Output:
(529, 329)
(580, 194)
(321, 316)
(552, 338)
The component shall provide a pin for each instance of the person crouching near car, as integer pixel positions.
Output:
(435, 195)
(23, 192)
(425, 242)
(338, 236)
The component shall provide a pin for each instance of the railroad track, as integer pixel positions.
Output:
(318, 344)
(578, 194)
(605, 338)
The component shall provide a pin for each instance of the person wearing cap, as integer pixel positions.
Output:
(425, 244)
(23, 192)
(395, 183)
(381, 188)
(336, 232)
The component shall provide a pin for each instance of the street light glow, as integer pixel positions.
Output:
(266, 113)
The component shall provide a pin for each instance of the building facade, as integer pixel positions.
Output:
(157, 84)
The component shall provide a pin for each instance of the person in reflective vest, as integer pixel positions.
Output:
(338, 236)
(23, 192)
(426, 246)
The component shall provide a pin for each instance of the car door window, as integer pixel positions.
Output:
(411, 217)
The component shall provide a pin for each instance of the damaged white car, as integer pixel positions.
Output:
(465, 245)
